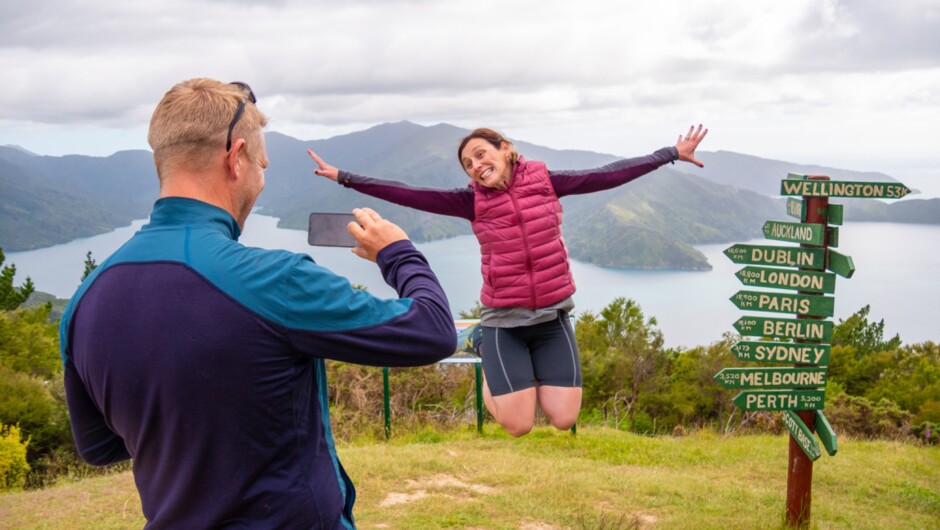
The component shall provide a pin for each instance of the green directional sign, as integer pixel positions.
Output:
(826, 434)
(806, 233)
(801, 304)
(782, 352)
(815, 282)
(834, 188)
(749, 400)
(805, 258)
(796, 208)
(841, 264)
(785, 328)
(834, 214)
(771, 377)
(801, 433)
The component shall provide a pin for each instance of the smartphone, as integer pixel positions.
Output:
(329, 230)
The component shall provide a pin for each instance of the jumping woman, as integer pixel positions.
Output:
(529, 351)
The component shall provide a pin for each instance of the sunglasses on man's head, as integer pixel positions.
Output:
(249, 96)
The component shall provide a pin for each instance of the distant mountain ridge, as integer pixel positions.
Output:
(652, 222)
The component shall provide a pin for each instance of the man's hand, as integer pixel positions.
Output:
(373, 233)
(686, 146)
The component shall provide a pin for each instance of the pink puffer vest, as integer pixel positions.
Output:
(524, 259)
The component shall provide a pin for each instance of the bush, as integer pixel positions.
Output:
(642, 423)
(35, 407)
(13, 466)
(439, 394)
(857, 416)
(927, 432)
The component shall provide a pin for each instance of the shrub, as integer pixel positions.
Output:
(857, 416)
(439, 394)
(32, 405)
(13, 465)
(927, 432)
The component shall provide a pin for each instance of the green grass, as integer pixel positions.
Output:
(600, 478)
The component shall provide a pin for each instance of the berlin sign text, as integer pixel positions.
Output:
(785, 328)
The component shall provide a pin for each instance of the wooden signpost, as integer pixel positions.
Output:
(798, 391)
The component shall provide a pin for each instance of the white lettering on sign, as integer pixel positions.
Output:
(783, 304)
(771, 401)
(778, 378)
(800, 330)
(799, 233)
(823, 188)
(807, 443)
(791, 279)
(783, 257)
(787, 353)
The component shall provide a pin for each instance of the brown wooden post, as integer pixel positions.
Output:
(800, 467)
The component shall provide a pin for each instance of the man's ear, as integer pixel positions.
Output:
(233, 162)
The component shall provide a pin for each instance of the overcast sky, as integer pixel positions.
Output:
(853, 84)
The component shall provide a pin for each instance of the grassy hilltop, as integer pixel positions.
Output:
(601, 478)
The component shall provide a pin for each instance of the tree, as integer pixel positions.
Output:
(11, 297)
(90, 265)
(29, 342)
(13, 465)
(866, 337)
(911, 378)
(694, 396)
(623, 358)
(475, 312)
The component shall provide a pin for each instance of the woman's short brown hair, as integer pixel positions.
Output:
(494, 138)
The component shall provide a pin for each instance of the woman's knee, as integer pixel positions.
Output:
(517, 427)
(563, 421)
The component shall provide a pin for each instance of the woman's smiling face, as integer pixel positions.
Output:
(487, 164)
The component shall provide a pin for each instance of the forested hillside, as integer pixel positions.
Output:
(651, 223)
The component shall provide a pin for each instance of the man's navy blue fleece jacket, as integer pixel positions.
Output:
(203, 361)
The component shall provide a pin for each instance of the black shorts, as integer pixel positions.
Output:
(543, 354)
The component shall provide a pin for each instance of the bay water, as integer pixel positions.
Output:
(897, 274)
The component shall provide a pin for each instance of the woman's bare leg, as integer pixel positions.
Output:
(561, 404)
(515, 411)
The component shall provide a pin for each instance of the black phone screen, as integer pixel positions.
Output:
(329, 230)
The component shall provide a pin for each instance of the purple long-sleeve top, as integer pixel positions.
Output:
(458, 202)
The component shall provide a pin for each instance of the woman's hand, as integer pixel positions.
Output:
(325, 170)
(687, 145)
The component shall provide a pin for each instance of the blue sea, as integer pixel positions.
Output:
(897, 273)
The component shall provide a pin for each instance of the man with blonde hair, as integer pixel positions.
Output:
(203, 360)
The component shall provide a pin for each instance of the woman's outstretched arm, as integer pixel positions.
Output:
(456, 202)
(574, 182)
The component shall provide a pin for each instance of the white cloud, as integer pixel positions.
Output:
(780, 79)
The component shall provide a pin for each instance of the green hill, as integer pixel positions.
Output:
(651, 223)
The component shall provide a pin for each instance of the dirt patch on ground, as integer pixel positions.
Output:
(445, 485)
(537, 525)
